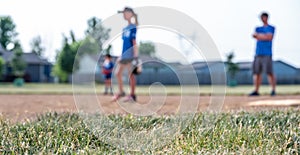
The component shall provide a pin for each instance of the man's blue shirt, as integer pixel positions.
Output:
(264, 47)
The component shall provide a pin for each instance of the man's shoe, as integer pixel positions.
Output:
(255, 93)
(273, 93)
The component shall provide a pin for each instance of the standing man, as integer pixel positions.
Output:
(263, 55)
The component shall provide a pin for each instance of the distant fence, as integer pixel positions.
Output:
(171, 78)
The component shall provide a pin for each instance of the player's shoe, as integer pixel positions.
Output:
(130, 98)
(118, 96)
(255, 93)
(273, 93)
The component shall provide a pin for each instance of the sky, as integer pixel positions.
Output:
(230, 23)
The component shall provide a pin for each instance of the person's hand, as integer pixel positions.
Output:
(137, 66)
(135, 61)
(255, 35)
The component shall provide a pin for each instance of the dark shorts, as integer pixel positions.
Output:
(126, 61)
(107, 76)
(262, 64)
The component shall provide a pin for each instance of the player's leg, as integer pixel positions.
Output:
(272, 81)
(271, 76)
(109, 85)
(257, 78)
(119, 72)
(106, 86)
(132, 83)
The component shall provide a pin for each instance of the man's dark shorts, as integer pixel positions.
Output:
(262, 64)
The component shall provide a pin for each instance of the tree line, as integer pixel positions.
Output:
(66, 61)
(9, 41)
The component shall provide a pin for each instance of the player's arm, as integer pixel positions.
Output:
(111, 67)
(135, 48)
(263, 37)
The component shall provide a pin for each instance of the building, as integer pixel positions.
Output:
(285, 73)
(89, 70)
(155, 70)
(37, 70)
(213, 72)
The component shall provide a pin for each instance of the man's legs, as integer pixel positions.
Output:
(257, 78)
(271, 76)
(272, 81)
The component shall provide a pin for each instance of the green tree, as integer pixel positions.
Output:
(36, 46)
(147, 48)
(17, 63)
(107, 50)
(97, 31)
(7, 31)
(232, 69)
(66, 61)
(57, 71)
(2, 65)
(67, 57)
(89, 46)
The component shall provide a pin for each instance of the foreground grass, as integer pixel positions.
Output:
(59, 89)
(272, 132)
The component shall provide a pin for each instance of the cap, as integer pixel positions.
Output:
(126, 9)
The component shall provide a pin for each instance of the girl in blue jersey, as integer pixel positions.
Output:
(129, 53)
(107, 68)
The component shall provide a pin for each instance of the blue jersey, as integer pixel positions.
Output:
(108, 65)
(129, 34)
(264, 47)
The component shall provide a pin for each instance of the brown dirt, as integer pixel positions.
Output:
(23, 107)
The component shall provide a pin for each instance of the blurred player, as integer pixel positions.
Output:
(129, 53)
(263, 55)
(107, 68)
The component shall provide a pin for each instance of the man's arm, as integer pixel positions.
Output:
(263, 37)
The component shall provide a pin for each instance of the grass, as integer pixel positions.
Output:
(31, 88)
(266, 132)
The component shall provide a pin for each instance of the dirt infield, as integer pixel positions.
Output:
(22, 107)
